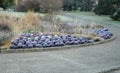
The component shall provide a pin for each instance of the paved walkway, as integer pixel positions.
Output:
(92, 59)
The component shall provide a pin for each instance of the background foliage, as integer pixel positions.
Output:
(105, 6)
(83, 5)
(6, 3)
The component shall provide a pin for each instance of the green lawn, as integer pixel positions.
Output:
(92, 16)
(15, 14)
(63, 18)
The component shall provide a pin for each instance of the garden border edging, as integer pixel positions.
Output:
(2, 51)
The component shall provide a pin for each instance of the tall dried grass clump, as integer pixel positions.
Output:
(29, 22)
(6, 32)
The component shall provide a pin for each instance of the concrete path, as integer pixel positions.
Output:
(92, 59)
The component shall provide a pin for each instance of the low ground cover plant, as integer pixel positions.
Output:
(40, 40)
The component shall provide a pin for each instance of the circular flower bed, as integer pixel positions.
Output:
(37, 40)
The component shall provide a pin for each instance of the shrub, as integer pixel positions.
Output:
(40, 5)
(104, 7)
(51, 5)
(86, 5)
(68, 5)
(83, 5)
(6, 3)
(33, 5)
